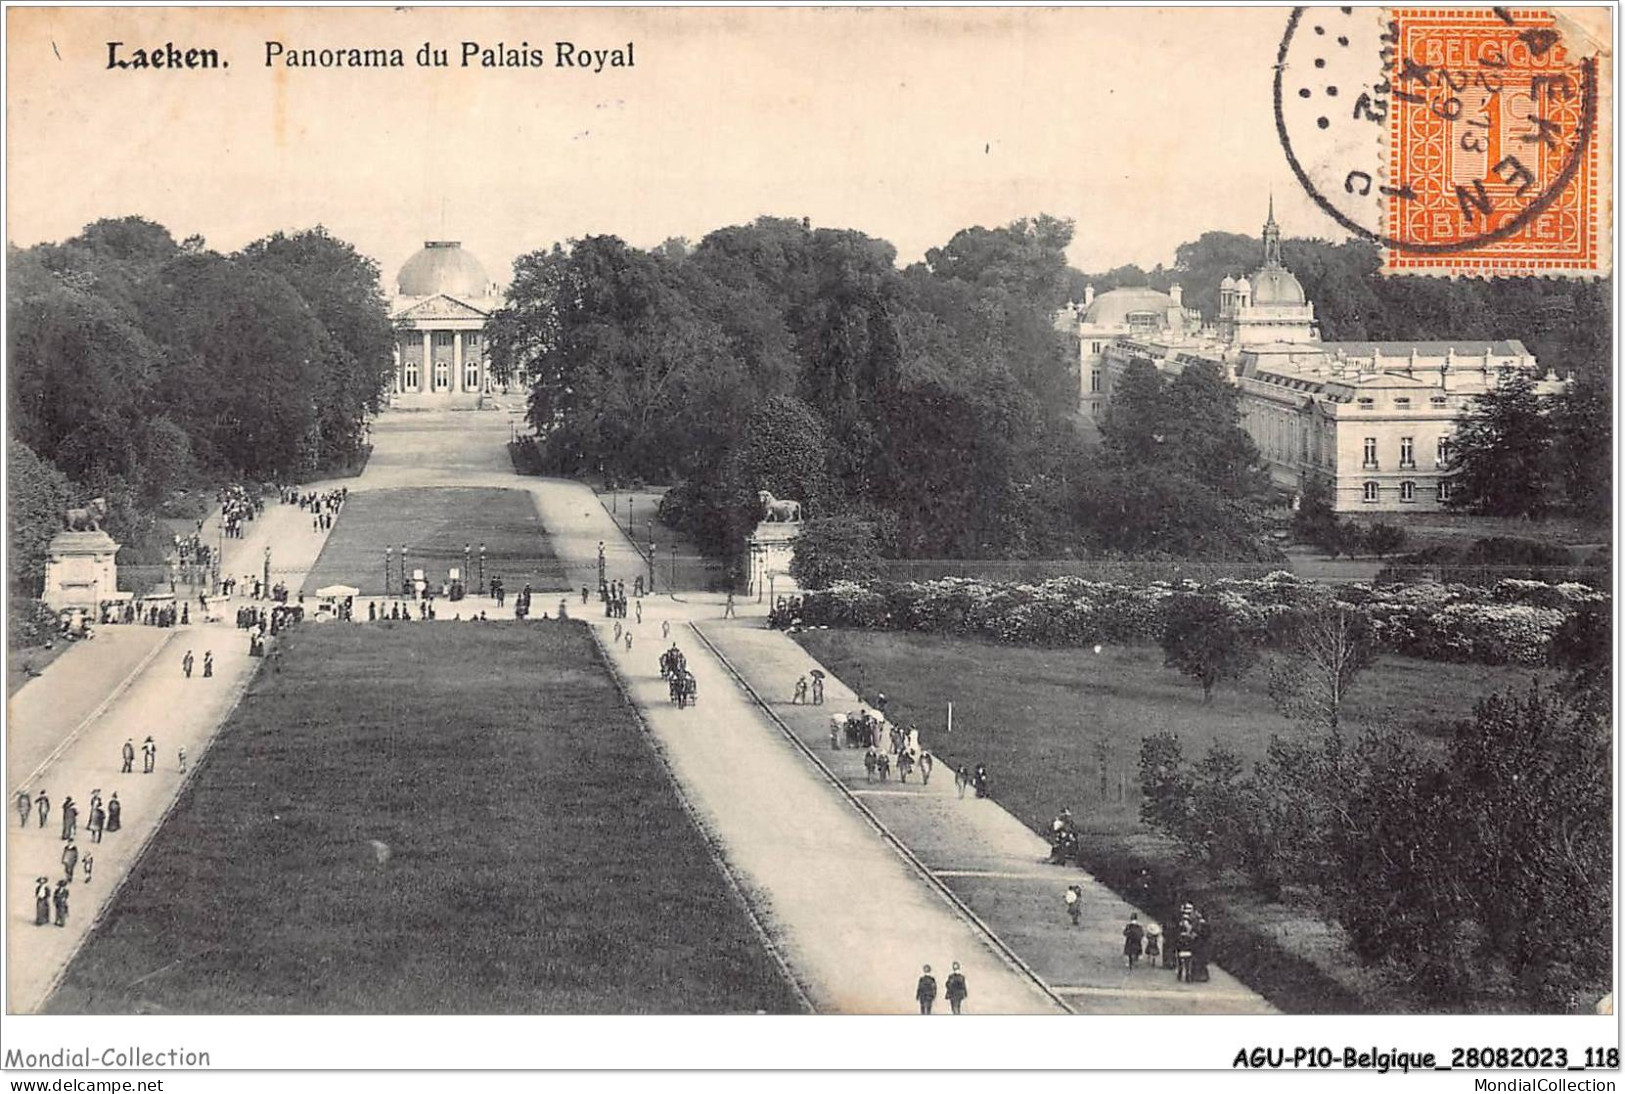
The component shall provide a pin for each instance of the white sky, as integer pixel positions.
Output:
(1146, 126)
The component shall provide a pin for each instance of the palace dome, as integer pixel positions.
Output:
(1274, 286)
(1112, 309)
(443, 267)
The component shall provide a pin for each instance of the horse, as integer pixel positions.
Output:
(776, 509)
(89, 518)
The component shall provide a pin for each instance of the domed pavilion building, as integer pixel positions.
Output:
(442, 301)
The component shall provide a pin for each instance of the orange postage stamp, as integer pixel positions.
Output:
(1465, 141)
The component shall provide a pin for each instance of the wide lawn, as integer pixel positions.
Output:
(538, 859)
(1049, 723)
(1062, 727)
(435, 524)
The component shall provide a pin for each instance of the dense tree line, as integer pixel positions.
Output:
(140, 366)
(934, 404)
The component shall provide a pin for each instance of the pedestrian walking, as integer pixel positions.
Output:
(640, 613)
(208, 663)
(182, 756)
(128, 754)
(728, 608)
(665, 629)
(962, 779)
(96, 821)
(617, 632)
(60, 899)
(800, 692)
(818, 691)
(983, 784)
(70, 819)
(927, 762)
(1153, 944)
(1133, 940)
(629, 640)
(25, 806)
(87, 864)
(70, 859)
(954, 988)
(925, 991)
(186, 664)
(114, 820)
(42, 902)
(1074, 904)
(149, 756)
(43, 804)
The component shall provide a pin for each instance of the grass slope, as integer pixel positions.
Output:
(435, 524)
(1047, 721)
(540, 860)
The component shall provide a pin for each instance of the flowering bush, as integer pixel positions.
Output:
(1512, 623)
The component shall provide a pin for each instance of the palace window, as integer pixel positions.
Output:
(442, 375)
(410, 377)
(1407, 491)
(444, 339)
(1094, 380)
(471, 373)
(1402, 402)
(1370, 453)
(1444, 491)
(1442, 456)
(1370, 492)
(1366, 402)
(1439, 400)
(471, 340)
(1407, 451)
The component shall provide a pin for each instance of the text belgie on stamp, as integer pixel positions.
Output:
(1466, 142)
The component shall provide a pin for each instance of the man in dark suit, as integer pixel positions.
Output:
(954, 987)
(926, 991)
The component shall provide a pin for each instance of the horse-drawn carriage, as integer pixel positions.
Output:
(674, 670)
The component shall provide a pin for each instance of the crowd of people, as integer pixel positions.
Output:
(323, 506)
(100, 818)
(238, 506)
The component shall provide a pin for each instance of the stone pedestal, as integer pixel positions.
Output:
(770, 549)
(80, 570)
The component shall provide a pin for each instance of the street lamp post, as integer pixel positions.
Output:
(404, 587)
(482, 567)
(629, 514)
(651, 566)
(266, 583)
(389, 556)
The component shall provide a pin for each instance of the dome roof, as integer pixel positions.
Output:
(1245, 286)
(1112, 309)
(443, 267)
(1228, 282)
(1275, 286)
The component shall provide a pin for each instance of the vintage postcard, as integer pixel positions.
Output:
(524, 521)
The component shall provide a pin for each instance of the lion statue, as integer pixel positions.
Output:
(89, 518)
(776, 509)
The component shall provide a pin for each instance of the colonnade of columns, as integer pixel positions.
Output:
(458, 381)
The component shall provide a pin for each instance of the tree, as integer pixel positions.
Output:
(1501, 458)
(37, 494)
(834, 549)
(1328, 646)
(1203, 639)
(1582, 420)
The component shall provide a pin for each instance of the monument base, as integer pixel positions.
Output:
(80, 571)
(771, 548)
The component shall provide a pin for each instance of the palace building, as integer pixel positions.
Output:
(442, 301)
(1375, 419)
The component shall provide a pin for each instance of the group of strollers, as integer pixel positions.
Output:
(674, 670)
(887, 746)
(1183, 947)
